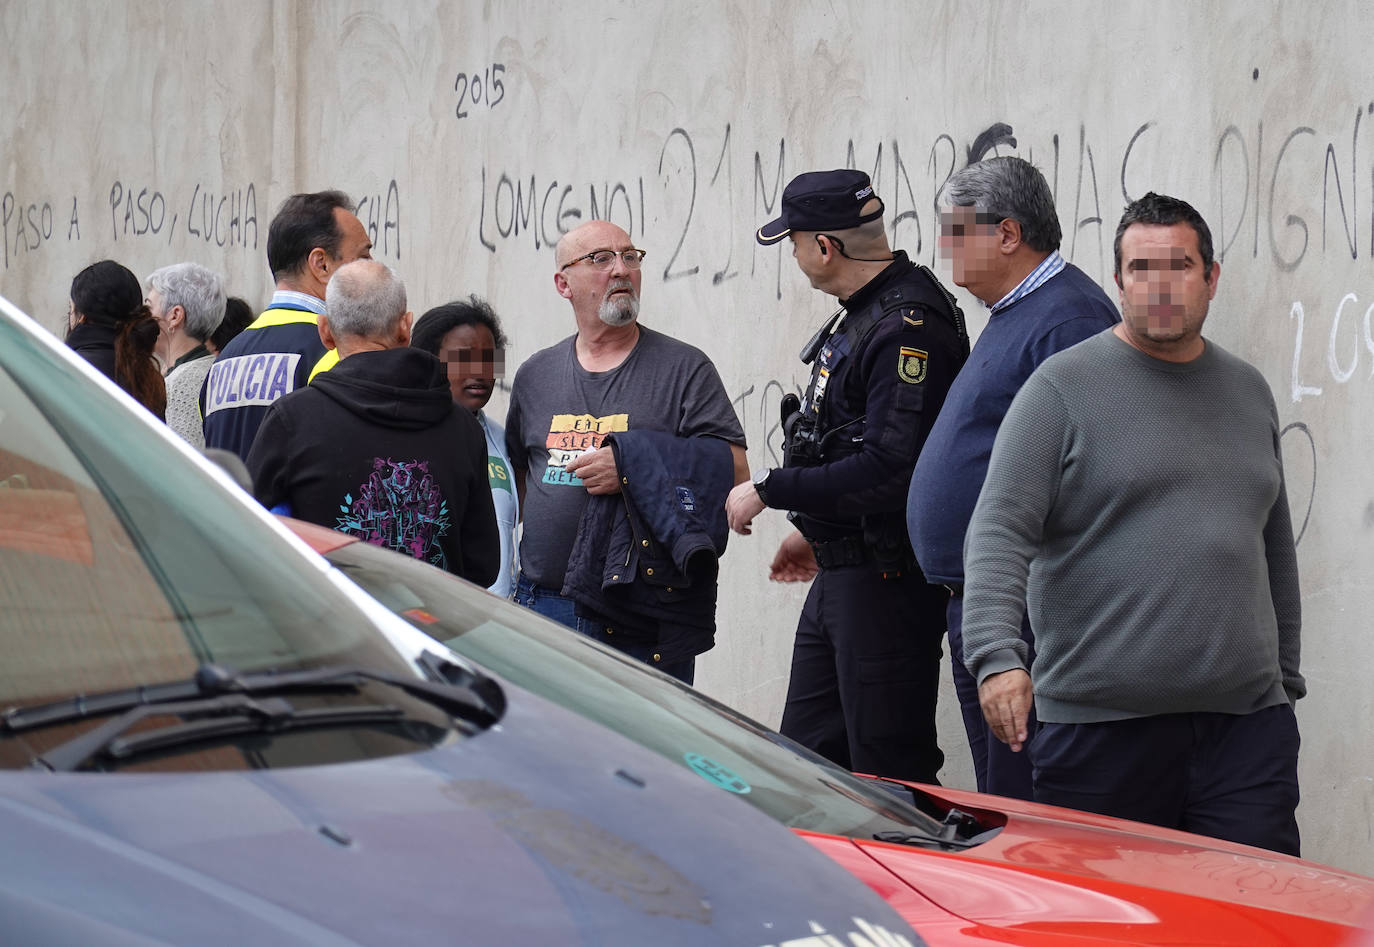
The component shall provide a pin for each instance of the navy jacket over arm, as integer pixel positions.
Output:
(646, 559)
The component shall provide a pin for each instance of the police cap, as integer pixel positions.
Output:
(822, 200)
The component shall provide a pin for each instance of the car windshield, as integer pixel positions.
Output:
(791, 784)
(124, 565)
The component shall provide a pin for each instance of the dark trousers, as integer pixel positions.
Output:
(997, 768)
(549, 603)
(866, 672)
(1228, 776)
(684, 670)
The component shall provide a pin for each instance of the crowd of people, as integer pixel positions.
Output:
(1088, 504)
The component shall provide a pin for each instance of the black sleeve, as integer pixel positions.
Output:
(269, 459)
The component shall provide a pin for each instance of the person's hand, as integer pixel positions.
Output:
(795, 562)
(597, 471)
(741, 506)
(1006, 699)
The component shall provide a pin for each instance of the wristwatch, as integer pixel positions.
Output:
(761, 483)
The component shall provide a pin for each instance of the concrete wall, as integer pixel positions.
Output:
(474, 133)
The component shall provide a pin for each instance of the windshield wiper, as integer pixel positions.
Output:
(920, 838)
(954, 821)
(207, 718)
(463, 694)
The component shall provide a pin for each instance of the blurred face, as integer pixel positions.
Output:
(158, 309)
(970, 241)
(473, 364)
(806, 250)
(1165, 290)
(165, 325)
(611, 293)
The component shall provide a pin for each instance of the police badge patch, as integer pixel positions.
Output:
(911, 365)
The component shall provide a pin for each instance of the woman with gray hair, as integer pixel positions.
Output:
(187, 300)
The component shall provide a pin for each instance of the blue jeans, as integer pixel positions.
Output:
(545, 601)
(550, 604)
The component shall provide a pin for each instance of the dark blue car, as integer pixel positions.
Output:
(211, 737)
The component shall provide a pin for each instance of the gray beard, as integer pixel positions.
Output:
(618, 310)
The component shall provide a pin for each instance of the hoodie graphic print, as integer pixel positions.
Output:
(400, 507)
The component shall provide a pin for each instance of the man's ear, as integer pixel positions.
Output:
(560, 283)
(319, 265)
(176, 318)
(1009, 233)
(403, 330)
(326, 334)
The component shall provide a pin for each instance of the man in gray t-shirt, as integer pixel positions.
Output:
(612, 375)
(1135, 504)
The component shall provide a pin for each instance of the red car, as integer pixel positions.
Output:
(962, 868)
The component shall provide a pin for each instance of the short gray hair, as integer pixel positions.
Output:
(366, 299)
(195, 289)
(1010, 187)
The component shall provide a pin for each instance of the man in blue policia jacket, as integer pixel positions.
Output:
(311, 236)
(865, 665)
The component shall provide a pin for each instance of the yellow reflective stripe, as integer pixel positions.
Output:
(283, 317)
(286, 317)
(326, 362)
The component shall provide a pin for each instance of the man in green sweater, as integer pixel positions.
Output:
(1135, 504)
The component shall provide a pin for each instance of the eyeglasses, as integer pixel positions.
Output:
(605, 259)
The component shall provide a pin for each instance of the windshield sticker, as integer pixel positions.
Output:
(715, 773)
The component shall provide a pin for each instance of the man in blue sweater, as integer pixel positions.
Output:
(1001, 234)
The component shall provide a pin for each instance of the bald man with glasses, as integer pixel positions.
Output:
(612, 375)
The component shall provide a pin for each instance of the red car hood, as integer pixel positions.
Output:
(1056, 876)
(320, 538)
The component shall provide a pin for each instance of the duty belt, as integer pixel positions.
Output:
(845, 551)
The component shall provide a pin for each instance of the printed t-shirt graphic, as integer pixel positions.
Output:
(498, 474)
(572, 435)
(399, 507)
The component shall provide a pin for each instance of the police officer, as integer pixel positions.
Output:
(865, 664)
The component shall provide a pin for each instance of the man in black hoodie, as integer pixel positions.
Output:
(376, 448)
